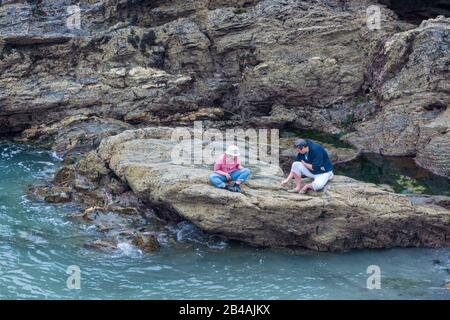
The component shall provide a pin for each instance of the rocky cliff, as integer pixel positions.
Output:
(412, 82)
(305, 64)
(133, 64)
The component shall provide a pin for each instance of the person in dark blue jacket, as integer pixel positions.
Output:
(312, 161)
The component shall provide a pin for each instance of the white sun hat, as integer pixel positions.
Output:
(233, 151)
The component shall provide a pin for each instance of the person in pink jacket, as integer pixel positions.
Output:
(228, 169)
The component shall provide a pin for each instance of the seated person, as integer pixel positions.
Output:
(228, 169)
(312, 161)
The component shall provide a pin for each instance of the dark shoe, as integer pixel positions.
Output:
(229, 188)
(237, 188)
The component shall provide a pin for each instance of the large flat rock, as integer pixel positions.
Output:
(347, 214)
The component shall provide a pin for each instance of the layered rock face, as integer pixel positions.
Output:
(155, 61)
(265, 63)
(348, 214)
(412, 80)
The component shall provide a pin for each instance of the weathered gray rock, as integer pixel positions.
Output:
(73, 135)
(52, 194)
(411, 80)
(264, 63)
(146, 242)
(154, 62)
(348, 214)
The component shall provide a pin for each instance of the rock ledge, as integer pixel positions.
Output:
(347, 214)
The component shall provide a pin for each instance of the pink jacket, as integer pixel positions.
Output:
(222, 165)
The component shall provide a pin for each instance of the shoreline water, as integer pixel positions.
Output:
(39, 243)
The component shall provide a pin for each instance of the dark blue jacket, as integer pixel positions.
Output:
(317, 156)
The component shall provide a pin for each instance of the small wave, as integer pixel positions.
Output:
(128, 250)
(55, 156)
(37, 239)
(187, 231)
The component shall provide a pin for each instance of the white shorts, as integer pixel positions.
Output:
(320, 180)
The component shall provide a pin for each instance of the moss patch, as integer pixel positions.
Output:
(240, 11)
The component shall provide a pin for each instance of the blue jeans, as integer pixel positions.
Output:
(219, 180)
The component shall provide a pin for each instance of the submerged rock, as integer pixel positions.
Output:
(119, 227)
(146, 242)
(347, 214)
(102, 244)
(52, 194)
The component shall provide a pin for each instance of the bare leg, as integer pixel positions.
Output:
(289, 177)
(298, 182)
(306, 188)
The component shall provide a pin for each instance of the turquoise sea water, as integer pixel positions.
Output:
(38, 243)
(401, 173)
